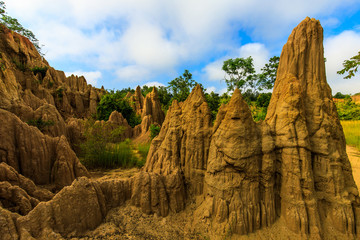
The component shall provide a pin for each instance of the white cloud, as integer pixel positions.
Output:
(132, 73)
(337, 49)
(152, 84)
(157, 36)
(213, 71)
(91, 77)
(210, 89)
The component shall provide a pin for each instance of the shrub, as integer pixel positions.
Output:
(263, 100)
(101, 149)
(41, 70)
(143, 151)
(154, 130)
(59, 92)
(348, 110)
(40, 124)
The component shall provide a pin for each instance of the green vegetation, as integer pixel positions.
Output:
(267, 77)
(241, 73)
(41, 70)
(154, 130)
(114, 101)
(102, 149)
(143, 150)
(20, 65)
(350, 66)
(352, 132)
(339, 95)
(348, 110)
(59, 93)
(40, 124)
(181, 86)
(14, 25)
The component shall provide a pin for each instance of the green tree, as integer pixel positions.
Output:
(145, 90)
(165, 97)
(350, 66)
(241, 73)
(339, 95)
(213, 100)
(182, 86)
(267, 77)
(114, 101)
(14, 25)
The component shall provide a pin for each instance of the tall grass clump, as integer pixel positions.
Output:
(144, 150)
(102, 147)
(352, 132)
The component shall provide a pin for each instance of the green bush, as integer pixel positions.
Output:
(143, 150)
(154, 130)
(40, 124)
(41, 70)
(348, 110)
(263, 100)
(101, 149)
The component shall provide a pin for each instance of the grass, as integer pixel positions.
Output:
(143, 150)
(352, 132)
(112, 156)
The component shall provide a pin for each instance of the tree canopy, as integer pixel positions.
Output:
(182, 86)
(240, 73)
(268, 73)
(350, 66)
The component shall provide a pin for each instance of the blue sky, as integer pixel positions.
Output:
(127, 43)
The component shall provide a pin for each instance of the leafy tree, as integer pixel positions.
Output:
(114, 101)
(339, 95)
(14, 25)
(145, 90)
(267, 76)
(182, 86)
(350, 66)
(154, 130)
(263, 100)
(165, 97)
(241, 73)
(213, 100)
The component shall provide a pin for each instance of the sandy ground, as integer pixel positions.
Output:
(354, 157)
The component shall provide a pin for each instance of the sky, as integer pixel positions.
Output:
(125, 43)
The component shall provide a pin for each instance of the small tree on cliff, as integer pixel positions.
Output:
(350, 66)
(14, 25)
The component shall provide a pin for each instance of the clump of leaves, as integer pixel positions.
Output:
(41, 70)
(348, 110)
(59, 92)
(40, 124)
(114, 101)
(350, 66)
(154, 130)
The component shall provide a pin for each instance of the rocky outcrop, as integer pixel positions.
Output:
(39, 157)
(317, 189)
(136, 100)
(183, 142)
(29, 86)
(116, 120)
(18, 193)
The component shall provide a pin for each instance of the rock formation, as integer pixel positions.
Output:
(39, 157)
(242, 177)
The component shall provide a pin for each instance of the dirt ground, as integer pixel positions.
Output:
(354, 157)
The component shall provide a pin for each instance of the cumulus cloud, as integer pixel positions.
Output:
(213, 71)
(153, 84)
(158, 36)
(337, 49)
(91, 77)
